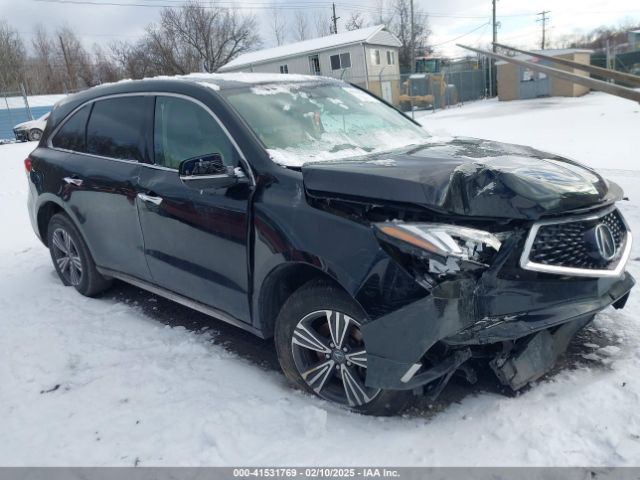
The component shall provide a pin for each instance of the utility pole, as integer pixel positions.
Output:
(334, 19)
(494, 24)
(71, 75)
(544, 19)
(412, 42)
(495, 27)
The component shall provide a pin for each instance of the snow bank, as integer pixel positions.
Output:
(597, 129)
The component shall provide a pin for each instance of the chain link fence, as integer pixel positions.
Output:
(433, 91)
(428, 91)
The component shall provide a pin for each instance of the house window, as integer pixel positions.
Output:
(375, 57)
(340, 61)
(284, 68)
(314, 64)
(391, 57)
(345, 60)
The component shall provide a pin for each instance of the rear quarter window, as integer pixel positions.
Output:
(117, 127)
(72, 134)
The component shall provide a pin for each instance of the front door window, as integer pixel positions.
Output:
(185, 130)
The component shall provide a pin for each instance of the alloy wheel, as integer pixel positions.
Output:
(330, 356)
(66, 256)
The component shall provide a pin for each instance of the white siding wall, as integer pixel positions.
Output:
(384, 68)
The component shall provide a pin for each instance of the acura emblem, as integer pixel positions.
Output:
(605, 241)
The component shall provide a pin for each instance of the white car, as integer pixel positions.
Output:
(31, 130)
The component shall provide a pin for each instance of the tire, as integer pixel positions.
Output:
(72, 259)
(35, 134)
(319, 345)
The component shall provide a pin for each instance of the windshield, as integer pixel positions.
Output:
(302, 122)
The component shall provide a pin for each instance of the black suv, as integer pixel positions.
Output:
(381, 260)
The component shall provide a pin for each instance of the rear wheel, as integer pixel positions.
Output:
(321, 350)
(71, 257)
(35, 134)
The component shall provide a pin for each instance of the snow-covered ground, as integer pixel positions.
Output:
(118, 381)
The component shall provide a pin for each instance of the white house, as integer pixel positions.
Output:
(367, 57)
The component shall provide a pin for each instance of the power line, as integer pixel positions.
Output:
(460, 36)
(262, 6)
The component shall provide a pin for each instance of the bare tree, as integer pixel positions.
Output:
(75, 59)
(355, 21)
(104, 69)
(300, 26)
(133, 60)
(12, 57)
(278, 24)
(45, 75)
(196, 37)
(400, 25)
(381, 15)
(322, 24)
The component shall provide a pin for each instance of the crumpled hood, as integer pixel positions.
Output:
(468, 177)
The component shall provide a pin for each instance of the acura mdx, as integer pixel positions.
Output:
(379, 259)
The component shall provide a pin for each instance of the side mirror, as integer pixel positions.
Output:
(207, 172)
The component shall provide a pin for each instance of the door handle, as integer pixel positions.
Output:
(73, 181)
(150, 198)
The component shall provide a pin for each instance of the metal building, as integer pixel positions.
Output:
(516, 82)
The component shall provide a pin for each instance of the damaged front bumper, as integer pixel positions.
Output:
(535, 320)
(21, 135)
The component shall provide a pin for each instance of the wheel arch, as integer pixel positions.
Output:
(45, 212)
(280, 284)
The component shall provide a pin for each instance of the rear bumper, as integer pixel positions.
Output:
(462, 315)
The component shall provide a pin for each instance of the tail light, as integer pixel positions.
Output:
(27, 165)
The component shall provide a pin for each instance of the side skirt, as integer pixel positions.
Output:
(182, 300)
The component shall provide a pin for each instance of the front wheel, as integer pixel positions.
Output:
(35, 134)
(321, 350)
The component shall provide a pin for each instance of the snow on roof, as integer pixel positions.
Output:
(306, 46)
(552, 52)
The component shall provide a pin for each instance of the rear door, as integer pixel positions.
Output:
(98, 152)
(195, 241)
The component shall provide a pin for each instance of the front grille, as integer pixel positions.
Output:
(567, 244)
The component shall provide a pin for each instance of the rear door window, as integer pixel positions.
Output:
(72, 134)
(117, 128)
(184, 130)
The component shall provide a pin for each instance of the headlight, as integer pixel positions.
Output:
(444, 241)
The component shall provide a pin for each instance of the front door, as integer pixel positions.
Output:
(386, 91)
(195, 240)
